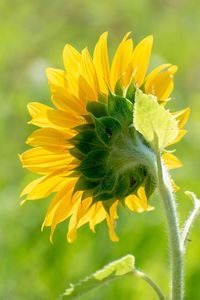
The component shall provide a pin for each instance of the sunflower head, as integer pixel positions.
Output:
(114, 160)
(87, 148)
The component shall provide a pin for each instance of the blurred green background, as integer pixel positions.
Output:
(32, 37)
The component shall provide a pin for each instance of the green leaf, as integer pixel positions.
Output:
(121, 109)
(107, 129)
(155, 123)
(117, 269)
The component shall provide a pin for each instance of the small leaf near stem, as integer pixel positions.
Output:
(155, 123)
(189, 222)
(117, 269)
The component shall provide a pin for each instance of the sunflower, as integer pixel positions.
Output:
(86, 148)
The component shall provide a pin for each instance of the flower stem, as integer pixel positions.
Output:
(176, 253)
(151, 282)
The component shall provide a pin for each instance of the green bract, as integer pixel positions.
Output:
(115, 159)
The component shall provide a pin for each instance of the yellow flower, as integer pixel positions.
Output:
(83, 146)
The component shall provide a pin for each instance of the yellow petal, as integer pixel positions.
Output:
(71, 235)
(82, 216)
(153, 74)
(65, 208)
(60, 94)
(110, 218)
(182, 116)
(84, 207)
(47, 185)
(62, 194)
(42, 161)
(56, 76)
(49, 137)
(79, 87)
(141, 57)
(35, 107)
(133, 203)
(174, 186)
(101, 62)
(171, 161)
(63, 100)
(31, 186)
(89, 72)
(121, 60)
(162, 85)
(138, 203)
(98, 216)
(71, 59)
(180, 135)
(55, 118)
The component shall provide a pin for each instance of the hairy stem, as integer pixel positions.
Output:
(176, 253)
(152, 283)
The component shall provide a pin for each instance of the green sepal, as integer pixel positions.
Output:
(84, 184)
(108, 182)
(150, 186)
(103, 98)
(108, 204)
(97, 190)
(83, 127)
(135, 181)
(86, 141)
(76, 153)
(102, 197)
(107, 129)
(130, 92)
(88, 118)
(119, 90)
(96, 108)
(106, 185)
(86, 194)
(123, 203)
(121, 109)
(74, 161)
(93, 165)
(142, 87)
(122, 187)
(128, 183)
(74, 174)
